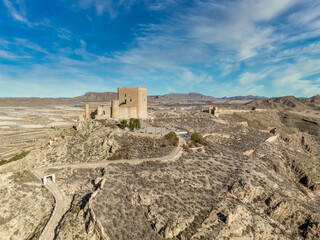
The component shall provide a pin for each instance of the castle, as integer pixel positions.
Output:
(131, 103)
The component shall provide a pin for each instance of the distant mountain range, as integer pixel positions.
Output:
(244, 97)
(287, 102)
(96, 97)
(177, 96)
(108, 96)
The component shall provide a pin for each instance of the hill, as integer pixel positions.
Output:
(283, 103)
(175, 96)
(96, 97)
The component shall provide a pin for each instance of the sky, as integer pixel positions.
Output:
(64, 48)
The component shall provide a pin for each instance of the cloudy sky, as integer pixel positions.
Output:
(64, 48)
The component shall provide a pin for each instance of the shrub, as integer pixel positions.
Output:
(137, 123)
(131, 125)
(172, 137)
(198, 139)
(15, 158)
(123, 124)
(134, 124)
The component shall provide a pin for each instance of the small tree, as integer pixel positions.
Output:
(131, 125)
(137, 123)
(123, 124)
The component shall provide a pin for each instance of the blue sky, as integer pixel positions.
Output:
(64, 48)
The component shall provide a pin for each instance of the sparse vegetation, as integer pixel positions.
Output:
(134, 147)
(15, 158)
(106, 123)
(134, 123)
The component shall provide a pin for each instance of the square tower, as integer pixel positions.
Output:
(134, 97)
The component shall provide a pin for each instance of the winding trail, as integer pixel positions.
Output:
(61, 205)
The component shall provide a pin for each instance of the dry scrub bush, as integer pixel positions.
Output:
(173, 138)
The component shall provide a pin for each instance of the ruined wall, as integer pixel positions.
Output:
(90, 110)
(97, 111)
(104, 111)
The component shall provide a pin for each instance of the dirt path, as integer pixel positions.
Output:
(61, 204)
(61, 207)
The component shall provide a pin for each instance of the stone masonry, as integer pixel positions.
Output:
(131, 103)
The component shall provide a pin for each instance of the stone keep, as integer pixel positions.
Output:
(131, 103)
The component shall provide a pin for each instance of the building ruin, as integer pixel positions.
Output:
(212, 110)
(131, 103)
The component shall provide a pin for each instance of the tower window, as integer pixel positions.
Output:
(130, 99)
(125, 95)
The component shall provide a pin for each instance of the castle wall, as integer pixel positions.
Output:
(104, 111)
(97, 111)
(90, 110)
(131, 103)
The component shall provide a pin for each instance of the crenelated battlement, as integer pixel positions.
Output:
(132, 87)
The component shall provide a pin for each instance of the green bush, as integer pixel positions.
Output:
(137, 123)
(172, 137)
(15, 158)
(123, 124)
(197, 138)
(134, 124)
(131, 125)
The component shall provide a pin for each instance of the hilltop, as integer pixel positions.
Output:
(286, 103)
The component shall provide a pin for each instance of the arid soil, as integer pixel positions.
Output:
(23, 128)
(25, 205)
(258, 178)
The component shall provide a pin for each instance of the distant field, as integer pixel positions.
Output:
(22, 128)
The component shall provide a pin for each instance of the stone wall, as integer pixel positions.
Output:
(131, 103)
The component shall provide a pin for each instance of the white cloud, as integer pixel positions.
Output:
(210, 33)
(250, 77)
(64, 33)
(11, 56)
(296, 78)
(30, 45)
(111, 7)
(15, 13)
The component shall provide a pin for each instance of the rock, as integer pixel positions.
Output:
(238, 221)
(272, 139)
(242, 190)
(310, 229)
(248, 153)
(245, 123)
(273, 131)
(172, 229)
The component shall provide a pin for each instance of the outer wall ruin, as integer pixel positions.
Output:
(211, 110)
(131, 103)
